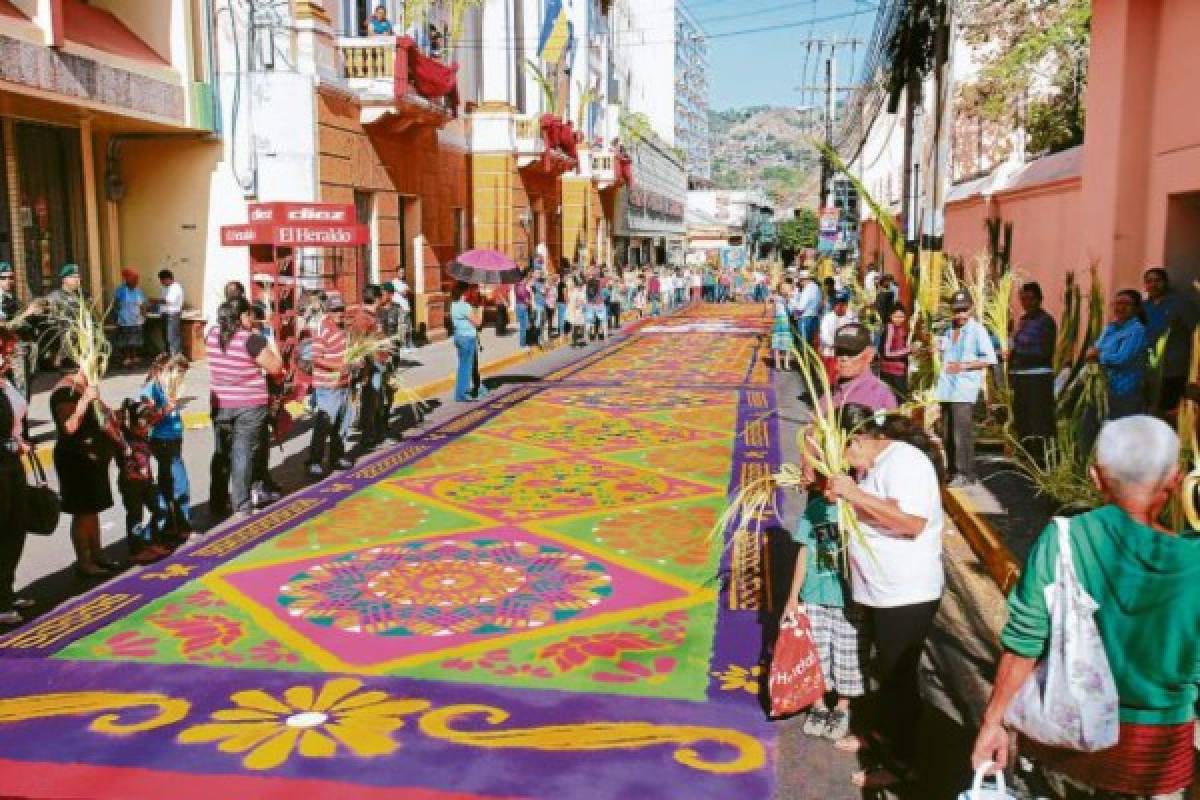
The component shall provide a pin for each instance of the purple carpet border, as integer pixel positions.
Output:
(655, 769)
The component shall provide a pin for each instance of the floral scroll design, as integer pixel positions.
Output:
(341, 717)
(316, 724)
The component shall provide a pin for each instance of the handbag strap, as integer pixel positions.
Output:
(39, 472)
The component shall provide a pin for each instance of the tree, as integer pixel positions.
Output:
(799, 232)
(1034, 57)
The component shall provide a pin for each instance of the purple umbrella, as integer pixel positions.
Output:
(487, 267)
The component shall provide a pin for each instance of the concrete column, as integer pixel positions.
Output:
(496, 52)
(91, 211)
(1116, 152)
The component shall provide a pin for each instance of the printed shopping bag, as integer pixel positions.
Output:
(1070, 700)
(795, 682)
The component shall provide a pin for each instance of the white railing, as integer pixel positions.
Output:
(366, 59)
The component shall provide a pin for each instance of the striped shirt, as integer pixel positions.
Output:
(237, 381)
(329, 356)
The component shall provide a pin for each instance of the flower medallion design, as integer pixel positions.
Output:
(439, 588)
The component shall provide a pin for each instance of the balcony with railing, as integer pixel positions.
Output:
(398, 84)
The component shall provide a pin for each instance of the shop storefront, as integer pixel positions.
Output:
(48, 217)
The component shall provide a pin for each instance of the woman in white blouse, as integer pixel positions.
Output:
(12, 480)
(896, 574)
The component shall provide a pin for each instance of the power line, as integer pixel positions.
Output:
(761, 11)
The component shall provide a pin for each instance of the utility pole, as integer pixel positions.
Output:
(831, 89)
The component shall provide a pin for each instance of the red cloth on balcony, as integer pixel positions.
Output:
(567, 140)
(624, 170)
(431, 78)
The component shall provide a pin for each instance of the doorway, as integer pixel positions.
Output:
(1182, 250)
(51, 196)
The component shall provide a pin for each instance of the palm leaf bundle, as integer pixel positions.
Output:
(171, 377)
(822, 443)
(1064, 477)
(997, 307)
(83, 341)
(1068, 328)
(1185, 507)
(549, 90)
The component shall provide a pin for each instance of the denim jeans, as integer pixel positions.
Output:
(958, 439)
(174, 490)
(467, 347)
(522, 325)
(12, 537)
(173, 323)
(238, 435)
(331, 425)
(561, 317)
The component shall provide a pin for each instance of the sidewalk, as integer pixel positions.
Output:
(429, 371)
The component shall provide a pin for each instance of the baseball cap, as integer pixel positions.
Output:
(334, 302)
(804, 274)
(961, 300)
(388, 286)
(841, 297)
(6, 268)
(851, 339)
(68, 270)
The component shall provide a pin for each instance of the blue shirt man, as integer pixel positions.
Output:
(967, 354)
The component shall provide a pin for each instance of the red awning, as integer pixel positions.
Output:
(95, 27)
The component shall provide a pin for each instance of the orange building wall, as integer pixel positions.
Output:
(1045, 242)
(1141, 180)
(410, 165)
(438, 177)
(346, 162)
(582, 212)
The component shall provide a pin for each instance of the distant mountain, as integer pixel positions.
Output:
(764, 147)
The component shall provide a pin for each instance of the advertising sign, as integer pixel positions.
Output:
(829, 219)
(297, 225)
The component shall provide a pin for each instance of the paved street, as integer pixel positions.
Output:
(46, 559)
(526, 585)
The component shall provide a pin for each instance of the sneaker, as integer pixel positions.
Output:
(261, 498)
(837, 724)
(23, 602)
(343, 463)
(10, 618)
(316, 471)
(814, 723)
(961, 482)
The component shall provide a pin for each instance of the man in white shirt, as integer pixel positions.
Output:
(841, 314)
(805, 305)
(172, 311)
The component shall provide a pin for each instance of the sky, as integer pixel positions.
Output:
(765, 68)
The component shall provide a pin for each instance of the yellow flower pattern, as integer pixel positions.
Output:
(736, 677)
(268, 730)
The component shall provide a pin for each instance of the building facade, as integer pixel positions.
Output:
(81, 85)
(664, 59)
(130, 137)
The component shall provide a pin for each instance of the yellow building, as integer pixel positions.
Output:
(82, 83)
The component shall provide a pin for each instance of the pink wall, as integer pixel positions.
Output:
(1045, 223)
(1137, 203)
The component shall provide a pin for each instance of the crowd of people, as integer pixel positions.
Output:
(870, 599)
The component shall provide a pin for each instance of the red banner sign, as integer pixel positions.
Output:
(310, 235)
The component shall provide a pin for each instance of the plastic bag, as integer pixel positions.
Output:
(795, 682)
(1070, 700)
(980, 792)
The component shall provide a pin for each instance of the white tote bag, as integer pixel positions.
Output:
(1071, 699)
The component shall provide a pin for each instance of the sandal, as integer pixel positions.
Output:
(876, 778)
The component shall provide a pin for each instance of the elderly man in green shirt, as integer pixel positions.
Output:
(1145, 579)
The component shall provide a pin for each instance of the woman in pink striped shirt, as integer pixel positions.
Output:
(239, 361)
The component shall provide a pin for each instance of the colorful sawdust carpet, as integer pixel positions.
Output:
(524, 602)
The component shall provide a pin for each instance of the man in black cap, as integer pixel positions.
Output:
(967, 355)
(856, 382)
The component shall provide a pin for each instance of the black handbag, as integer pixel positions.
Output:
(40, 506)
